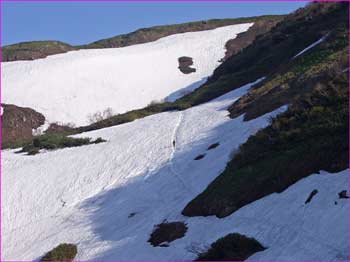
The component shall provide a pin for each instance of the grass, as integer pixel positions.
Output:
(311, 135)
(63, 252)
(154, 33)
(232, 247)
(55, 141)
(34, 49)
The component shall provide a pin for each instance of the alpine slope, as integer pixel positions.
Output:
(85, 195)
(70, 87)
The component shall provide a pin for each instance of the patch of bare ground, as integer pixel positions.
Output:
(167, 232)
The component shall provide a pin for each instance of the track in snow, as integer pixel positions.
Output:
(174, 142)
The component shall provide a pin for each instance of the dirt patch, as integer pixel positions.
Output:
(18, 122)
(233, 247)
(312, 194)
(185, 64)
(167, 232)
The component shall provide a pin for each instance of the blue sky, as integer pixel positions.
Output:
(81, 23)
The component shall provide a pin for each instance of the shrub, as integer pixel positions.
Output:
(99, 140)
(233, 247)
(63, 252)
(167, 232)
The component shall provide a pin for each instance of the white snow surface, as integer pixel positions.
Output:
(68, 88)
(311, 46)
(85, 195)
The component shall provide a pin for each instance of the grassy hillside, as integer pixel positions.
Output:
(34, 50)
(41, 49)
(312, 135)
(145, 35)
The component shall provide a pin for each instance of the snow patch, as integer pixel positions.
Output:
(310, 46)
(72, 86)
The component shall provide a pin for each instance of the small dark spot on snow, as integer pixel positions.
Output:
(212, 146)
(343, 194)
(131, 214)
(199, 157)
(312, 194)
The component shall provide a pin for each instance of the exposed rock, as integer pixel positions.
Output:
(167, 232)
(185, 63)
(18, 122)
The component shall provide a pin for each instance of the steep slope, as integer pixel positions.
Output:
(109, 78)
(311, 136)
(147, 175)
(271, 50)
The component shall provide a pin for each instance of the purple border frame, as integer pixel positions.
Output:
(135, 1)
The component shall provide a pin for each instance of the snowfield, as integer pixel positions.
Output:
(70, 87)
(85, 195)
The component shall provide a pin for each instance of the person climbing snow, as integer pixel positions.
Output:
(174, 143)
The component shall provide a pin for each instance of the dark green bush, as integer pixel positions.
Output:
(233, 247)
(63, 252)
(55, 141)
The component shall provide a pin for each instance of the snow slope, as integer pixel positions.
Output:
(69, 87)
(84, 195)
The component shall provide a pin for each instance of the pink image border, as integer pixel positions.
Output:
(137, 1)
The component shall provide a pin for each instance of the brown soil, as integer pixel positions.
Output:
(18, 122)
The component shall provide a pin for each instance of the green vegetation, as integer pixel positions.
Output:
(63, 252)
(54, 141)
(294, 78)
(40, 49)
(33, 50)
(144, 35)
(233, 247)
(311, 135)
